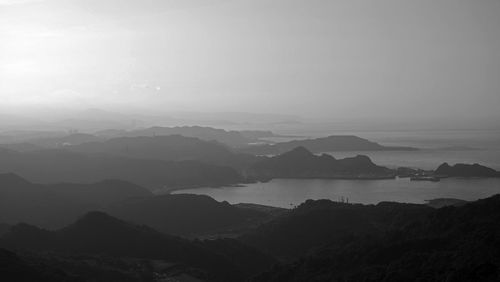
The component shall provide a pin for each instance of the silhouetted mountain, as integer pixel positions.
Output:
(167, 148)
(99, 233)
(449, 244)
(57, 205)
(314, 224)
(301, 163)
(182, 214)
(324, 144)
(230, 138)
(466, 170)
(51, 166)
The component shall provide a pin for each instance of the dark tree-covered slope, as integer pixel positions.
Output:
(449, 244)
(99, 233)
(183, 214)
(58, 204)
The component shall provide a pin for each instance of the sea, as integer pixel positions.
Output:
(435, 148)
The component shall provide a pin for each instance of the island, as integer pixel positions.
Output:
(334, 143)
(465, 170)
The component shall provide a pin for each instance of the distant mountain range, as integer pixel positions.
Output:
(58, 139)
(228, 137)
(322, 145)
(52, 166)
(240, 140)
(175, 161)
(167, 148)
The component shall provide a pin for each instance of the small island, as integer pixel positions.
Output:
(465, 170)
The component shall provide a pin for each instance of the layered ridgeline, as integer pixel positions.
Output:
(230, 138)
(52, 166)
(187, 215)
(170, 162)
(55, 205)
(466, 170)
(55, 139)
(301, 163)
(167, 148)
(99, 234)
(32, 141)
(244, 141)
(58, 204)
(385, 242)
(324, 144)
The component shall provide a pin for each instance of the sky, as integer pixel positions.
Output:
(393, 59)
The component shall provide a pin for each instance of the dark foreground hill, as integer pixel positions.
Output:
(58, 204)
(54, 166)
(333, 143)
(301, 163)
(466, 170)
(183, 214)
(100, 234)
(314, 224)
(448, 244)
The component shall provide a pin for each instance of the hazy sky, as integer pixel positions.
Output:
(345, 58)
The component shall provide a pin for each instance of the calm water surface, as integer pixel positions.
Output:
(291, 192)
